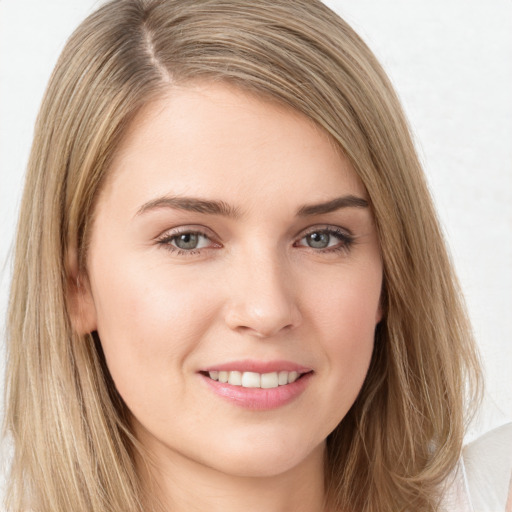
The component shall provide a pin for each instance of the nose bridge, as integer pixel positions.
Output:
(262, 299)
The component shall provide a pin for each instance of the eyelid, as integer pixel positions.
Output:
(188, 228)
(325, 227)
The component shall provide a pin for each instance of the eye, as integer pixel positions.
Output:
(186, 241)
(326, 240)
(318, 240)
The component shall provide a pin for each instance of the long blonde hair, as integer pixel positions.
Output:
(73, 446)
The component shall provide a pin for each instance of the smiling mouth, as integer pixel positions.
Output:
(255, 380)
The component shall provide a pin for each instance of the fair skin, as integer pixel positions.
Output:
(232, 235)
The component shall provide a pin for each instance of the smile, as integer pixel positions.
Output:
(255, 380)
(258, 386)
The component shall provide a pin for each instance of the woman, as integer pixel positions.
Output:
(230, 285)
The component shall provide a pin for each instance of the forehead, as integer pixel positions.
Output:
(215, 139)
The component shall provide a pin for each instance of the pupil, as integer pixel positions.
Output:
(318, 240)
(187, 241)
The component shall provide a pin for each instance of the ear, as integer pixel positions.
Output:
(80, 302)
(379, 314)
(382, 307)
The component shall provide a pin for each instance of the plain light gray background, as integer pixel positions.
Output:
(451, 62)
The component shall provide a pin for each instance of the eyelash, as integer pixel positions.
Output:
(166, 239)
(346, 240)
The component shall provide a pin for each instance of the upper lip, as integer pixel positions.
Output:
(258, 366)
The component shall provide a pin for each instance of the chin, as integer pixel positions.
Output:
(264, 457)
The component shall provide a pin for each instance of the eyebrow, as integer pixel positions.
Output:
(210, 207)
(337, 203)
(191, 204)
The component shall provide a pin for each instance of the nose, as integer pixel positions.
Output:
(262, 297)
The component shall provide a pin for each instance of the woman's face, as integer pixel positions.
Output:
(233, 238)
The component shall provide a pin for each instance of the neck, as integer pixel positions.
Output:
(183, 485)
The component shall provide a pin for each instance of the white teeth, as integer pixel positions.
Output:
(251, 380)
(255, 380)
(269, 380)
(235, 378)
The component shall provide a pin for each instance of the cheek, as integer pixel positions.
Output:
(349, 340)
(133, 298)
(148, 322)
(346, 317)
(347, 304)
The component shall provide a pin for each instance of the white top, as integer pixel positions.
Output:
(483, 479)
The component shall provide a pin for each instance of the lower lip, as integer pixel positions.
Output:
(259, 399)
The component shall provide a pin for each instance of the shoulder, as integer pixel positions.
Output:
(487, 465)
(482, 480)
